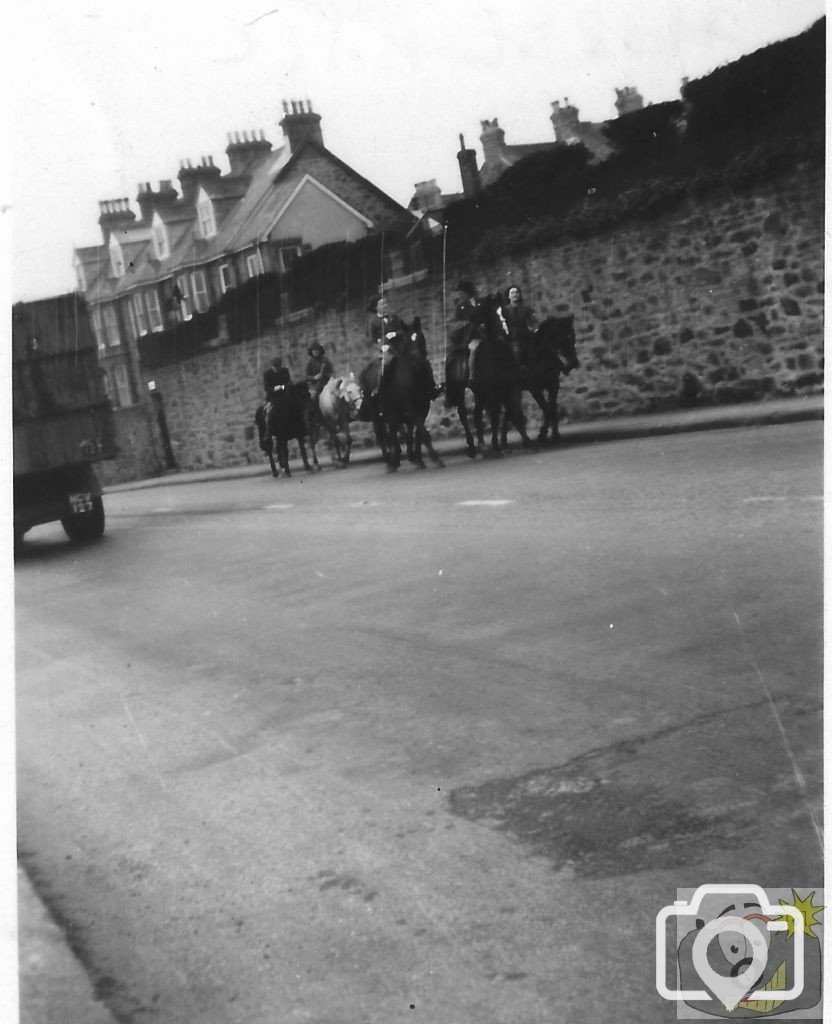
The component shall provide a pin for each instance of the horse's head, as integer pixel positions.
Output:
(557, 336)
(350, 391)
(492, 315)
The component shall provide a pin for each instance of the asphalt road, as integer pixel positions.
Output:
(429, 746)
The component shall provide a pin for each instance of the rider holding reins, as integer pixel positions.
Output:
(389, 334)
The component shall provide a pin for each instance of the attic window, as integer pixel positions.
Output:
(254, 264)
(205, 213)
(289, 254)
(116, 257)
(160, 238)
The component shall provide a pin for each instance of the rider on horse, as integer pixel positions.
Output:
(318, 370)
(469, 315)
(392, 338)
(275, 377)
(521, 323)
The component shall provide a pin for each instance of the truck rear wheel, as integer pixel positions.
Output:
(85, 526)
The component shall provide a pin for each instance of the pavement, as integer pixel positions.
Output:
(53, 985)
(718, 417)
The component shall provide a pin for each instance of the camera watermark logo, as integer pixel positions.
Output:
(741, 951)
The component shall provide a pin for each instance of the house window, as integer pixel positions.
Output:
(200, 290)
(185, 310)
(98, 328)
(205, 214)
(138, 309)
(116, 257)
(130, 317)
(111, 331)
(254, 264)
(226, 277)
(288, 256)
(160, 238)
(122, 385)
(154, 310)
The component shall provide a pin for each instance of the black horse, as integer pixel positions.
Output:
(291, 415)
(550, 354)
(496, 386)
(397, 397)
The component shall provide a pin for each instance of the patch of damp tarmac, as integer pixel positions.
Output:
(654, 802)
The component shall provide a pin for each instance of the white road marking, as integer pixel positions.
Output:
(488, 502)
(363, 504)
(277, 508)
(155, 510)
(785, 497)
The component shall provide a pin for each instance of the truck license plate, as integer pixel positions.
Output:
(80, 502)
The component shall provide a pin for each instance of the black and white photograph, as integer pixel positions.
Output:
(415, 512)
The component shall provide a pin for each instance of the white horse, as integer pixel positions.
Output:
(339, 403)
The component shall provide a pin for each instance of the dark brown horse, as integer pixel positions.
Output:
(397, 397)
(550, 354)
(291, 415)
(496, 385)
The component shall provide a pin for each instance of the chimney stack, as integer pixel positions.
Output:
(190, 177)
(115, 215)
(628, 99)
(471, 181)
(493, 141)
(301, 124)
(243, 152)
(149, 200)
(565, 121)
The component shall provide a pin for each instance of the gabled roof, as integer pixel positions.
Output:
(246, 208)
(271, 188)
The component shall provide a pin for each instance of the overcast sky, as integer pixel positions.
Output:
(109, 93)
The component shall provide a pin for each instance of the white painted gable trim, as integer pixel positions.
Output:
(307, 178)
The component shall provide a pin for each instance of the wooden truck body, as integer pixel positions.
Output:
(62, 419)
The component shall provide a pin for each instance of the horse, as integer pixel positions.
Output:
(550, 354)
(496, 387)
(338, 404)
(397, 400)
(289, 416)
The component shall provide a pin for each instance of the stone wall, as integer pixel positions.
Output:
(720, 300)
(139, 445)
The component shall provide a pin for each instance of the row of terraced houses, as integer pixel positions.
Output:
(180, 261)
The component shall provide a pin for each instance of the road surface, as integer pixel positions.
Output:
(429, 746)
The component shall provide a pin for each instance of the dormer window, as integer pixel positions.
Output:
(159, 232)
(205, 214)
(116, 257)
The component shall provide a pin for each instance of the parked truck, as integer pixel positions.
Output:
(62, 419)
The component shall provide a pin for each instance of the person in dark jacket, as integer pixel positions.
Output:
(469, 329)
(318, 370)
(521, 324)
(388, 333)
(276, 375)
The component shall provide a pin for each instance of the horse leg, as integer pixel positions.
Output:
(304, 457)
(283, 455)
(479, 413)
(347, 444)
(424, 433)
(313, 442)
(394, 447)
(462, 412)
(539, 395)
(515, 407)
(337, 456)
(553, 409)
(270, 453)
(494, 408)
